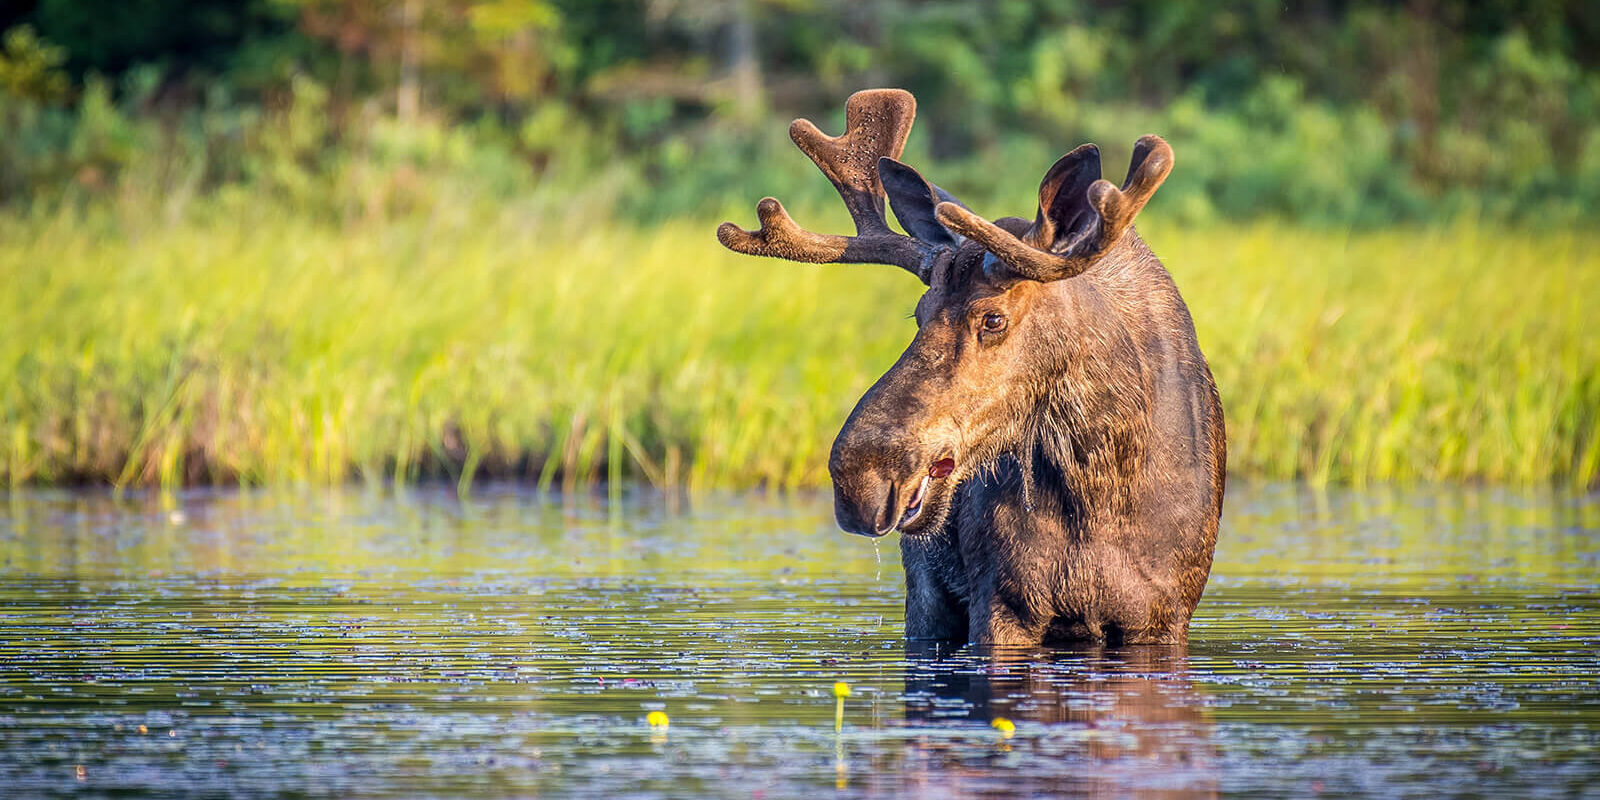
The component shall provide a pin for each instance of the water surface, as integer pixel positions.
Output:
(1416, 643)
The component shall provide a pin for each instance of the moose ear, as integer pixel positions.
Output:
(1081, 216)
(913, 199)
(1065, 214)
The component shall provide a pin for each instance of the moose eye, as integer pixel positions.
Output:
(994, 323)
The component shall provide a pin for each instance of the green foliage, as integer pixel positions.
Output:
(31, 69)
(1367, 116)
(110, 36)
(454, 334)
(298, 240)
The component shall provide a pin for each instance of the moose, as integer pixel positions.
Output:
(1050, 445)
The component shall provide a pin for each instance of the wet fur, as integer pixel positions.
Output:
(1086, 433)
(1122, 463)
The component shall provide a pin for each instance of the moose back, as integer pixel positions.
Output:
(1050, 445)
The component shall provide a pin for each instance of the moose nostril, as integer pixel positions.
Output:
(861, 502)
(889, 513)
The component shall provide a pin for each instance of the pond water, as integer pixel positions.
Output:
(1391, 643)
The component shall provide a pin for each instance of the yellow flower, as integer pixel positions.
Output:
(657, 719)
(841, 689)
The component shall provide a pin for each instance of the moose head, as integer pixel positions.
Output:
(1000, 352)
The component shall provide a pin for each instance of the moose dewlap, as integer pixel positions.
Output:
(1050, 445)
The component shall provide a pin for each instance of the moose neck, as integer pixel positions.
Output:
(1087, 441)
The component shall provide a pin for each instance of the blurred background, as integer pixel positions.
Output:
(310, 241)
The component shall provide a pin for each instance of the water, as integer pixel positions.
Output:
(1419, 643)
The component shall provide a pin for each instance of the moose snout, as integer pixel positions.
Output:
(865, 504)
(882, 460)
(872, 483)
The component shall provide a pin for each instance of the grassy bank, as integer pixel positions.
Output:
(242, 343)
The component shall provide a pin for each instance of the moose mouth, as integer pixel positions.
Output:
(913, 508)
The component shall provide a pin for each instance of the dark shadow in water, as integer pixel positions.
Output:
(1090, 722)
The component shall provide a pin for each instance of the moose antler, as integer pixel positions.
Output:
(877, 123)
(1034, 254)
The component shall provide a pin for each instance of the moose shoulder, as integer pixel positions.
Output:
(1050, 445)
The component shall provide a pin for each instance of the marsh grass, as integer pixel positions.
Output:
(245, 343)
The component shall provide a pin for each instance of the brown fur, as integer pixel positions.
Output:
(1086, 432)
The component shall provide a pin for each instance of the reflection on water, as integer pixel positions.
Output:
(1109, 723)
(366, 644)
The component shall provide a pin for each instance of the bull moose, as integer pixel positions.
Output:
(1050, 445)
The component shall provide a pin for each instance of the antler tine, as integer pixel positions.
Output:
(877, 123)
(1031, 257)
(1147, 170)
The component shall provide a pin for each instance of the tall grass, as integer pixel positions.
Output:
(237, 341)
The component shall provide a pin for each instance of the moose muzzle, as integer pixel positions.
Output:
(882, 472)
(872, 502)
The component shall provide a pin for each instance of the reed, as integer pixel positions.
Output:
(241, 341)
